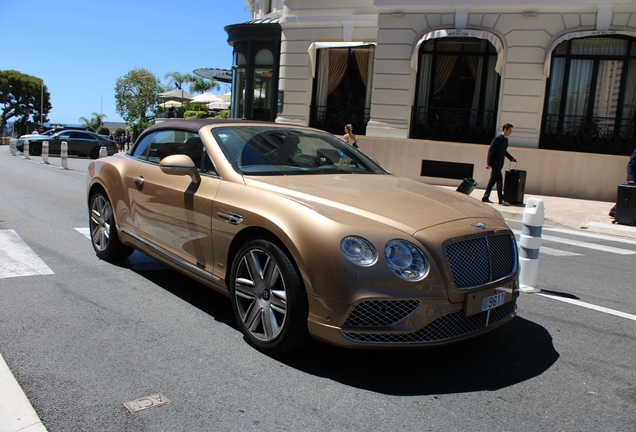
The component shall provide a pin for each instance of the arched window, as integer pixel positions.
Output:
(590, 103)
(457, 90)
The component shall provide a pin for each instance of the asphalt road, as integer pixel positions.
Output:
(88, 336)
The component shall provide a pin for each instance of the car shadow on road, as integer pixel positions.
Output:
(206, 299)
(517, 351)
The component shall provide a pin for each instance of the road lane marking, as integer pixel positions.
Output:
(616, 227)
(590, 306)
(592, 235)
(557, 252)
(18, 259)
(84, 231)
(586, 245)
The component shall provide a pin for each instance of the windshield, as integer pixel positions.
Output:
(265, 150)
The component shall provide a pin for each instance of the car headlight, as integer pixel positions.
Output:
(359, 251)
(406, 260)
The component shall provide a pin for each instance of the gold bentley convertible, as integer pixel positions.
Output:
(308, 237)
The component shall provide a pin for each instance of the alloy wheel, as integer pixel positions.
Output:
(260, 295)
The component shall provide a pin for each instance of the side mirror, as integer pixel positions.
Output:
(180, 164)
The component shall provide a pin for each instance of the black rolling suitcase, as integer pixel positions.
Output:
(514, 185)
(626, 205)
(469, 184)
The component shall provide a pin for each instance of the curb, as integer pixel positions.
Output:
(16, 412)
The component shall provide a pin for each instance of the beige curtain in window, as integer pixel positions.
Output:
(322, 78)
(362, 58)
(338, 59)
(445, 65)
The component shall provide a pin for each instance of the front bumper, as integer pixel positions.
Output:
(401, 323)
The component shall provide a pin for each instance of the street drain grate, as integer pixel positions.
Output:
(146, 402)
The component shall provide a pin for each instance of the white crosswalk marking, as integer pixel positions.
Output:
(591, 235)
(593, 246)
(590, 306)
(557, 252)
(17, 258)
(84, 231)
(586, 245)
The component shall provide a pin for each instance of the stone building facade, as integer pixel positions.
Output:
(426, 85)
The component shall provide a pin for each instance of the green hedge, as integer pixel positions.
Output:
(195, 115)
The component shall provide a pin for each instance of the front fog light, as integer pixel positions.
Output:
(359, 251)
(406, 260)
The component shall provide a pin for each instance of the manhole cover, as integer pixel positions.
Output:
(146, 402)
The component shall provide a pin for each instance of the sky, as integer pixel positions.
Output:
(80, 47)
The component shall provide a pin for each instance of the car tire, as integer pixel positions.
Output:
(95, 153)
(268, 297)
(35, 150)
(103, 231)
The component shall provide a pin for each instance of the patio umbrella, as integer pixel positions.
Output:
(171, 103)
(219, 104)
(226, 96)
(206, 98)
(180, 95)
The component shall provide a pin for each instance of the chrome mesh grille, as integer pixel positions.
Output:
(482, 260)
(373, 313)
(446, 327)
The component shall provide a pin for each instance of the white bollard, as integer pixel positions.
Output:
(529, 244)
(103, 152)
(25, 149)
(12, 147)
(64, 155)
(45, 152)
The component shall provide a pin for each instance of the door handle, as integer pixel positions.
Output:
(139, 181)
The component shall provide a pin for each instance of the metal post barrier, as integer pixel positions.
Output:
(25, 150)
(103, 152)
(529, 244)
(12, 147)
(45, 152)
(64, 155)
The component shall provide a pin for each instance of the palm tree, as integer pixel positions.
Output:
(94, 123)
(199, 84)
(177, 78)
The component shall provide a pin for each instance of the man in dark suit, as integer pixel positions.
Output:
(631, 177)
(497, 152)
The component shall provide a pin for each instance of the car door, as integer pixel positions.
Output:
(171, 211)
(81, 143)
(55, 143)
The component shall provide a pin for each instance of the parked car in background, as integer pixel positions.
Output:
(308, 237)
(51, 131)
(80, 143)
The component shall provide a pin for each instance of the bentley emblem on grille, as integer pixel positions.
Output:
(481, 225)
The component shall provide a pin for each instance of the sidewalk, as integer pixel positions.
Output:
(16, 412)
(577, 214)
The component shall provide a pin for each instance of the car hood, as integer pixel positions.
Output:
(36, 138)
(30, 137)
(402, 203)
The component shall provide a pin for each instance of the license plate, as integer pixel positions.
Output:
(492, 301)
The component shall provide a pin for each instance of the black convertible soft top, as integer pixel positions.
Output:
(195, 124)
